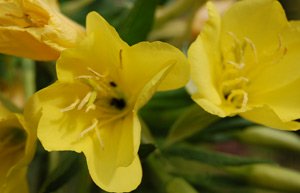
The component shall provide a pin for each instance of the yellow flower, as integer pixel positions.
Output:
(17, 146)
(247, 63)
(36, 29)
(92, 108)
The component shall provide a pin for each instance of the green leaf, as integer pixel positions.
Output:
(173, 99)
(179, 185)
(213, 179)
(61, 174)
(192, 121)
(136, 26)
(145, 150)
(264, 136)
(210, 157)
(163, 109)
(165, 182)
(269, 176)
(221, 127)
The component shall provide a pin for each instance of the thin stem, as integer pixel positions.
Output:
(175, 9)
(28, 67)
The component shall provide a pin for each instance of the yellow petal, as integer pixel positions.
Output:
(57, 129)
(36, 29)
(104, 33)
(111, 150)
(17, 147)
(100, 51)
(124, 179)
(284, 101)
(13, 142)
(266, 116)
(31, 138)
(204, 56)
(143, 96)
(143, 61)
(210, 107)
(283, 70)
(17, 182)
(258, 20)
(19, 42)
(58, 94)
(112, 155)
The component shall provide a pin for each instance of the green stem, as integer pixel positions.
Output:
(29, 77)
(71, 7)
(176, 9)
(158, 174)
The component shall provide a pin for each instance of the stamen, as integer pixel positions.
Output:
(236, 96)
(92, 98)
(120, 57)
(99, 139)
(252, 45)
(90, 128)
(228, 85)
(233, 36)
(236, 65)
(95, 72)
(280, 52)
(93, 84)
(90, 107)
(90, 104)
(70, 107)
(87, 77)
(113, 118)
(84, 100)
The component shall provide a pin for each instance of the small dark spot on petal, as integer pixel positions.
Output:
(297, 120)
(112, 84)
(118, 103)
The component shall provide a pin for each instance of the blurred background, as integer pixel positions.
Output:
(184, 149)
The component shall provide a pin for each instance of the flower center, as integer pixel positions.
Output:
(240, 62)
(233, 82)
(105, 98)
(104, 95)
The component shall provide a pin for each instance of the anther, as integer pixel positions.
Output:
(70, 107)
(239, 98)
(95, 73)
(99, 139)
(84, 101)
(90, 128)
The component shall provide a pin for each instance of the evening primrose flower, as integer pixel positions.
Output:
(92, 108)
(36, 29)
(247, 63)
(17, 145)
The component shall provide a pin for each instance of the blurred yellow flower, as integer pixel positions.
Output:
(36, 29)
(92, 108)
(17, 146)
(247, 63)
